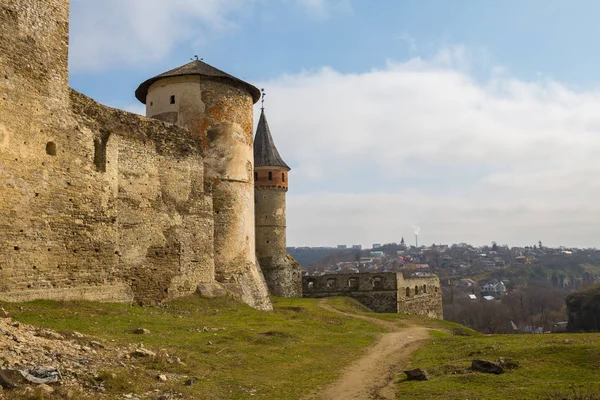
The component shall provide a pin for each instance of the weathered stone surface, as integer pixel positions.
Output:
(141, 331)
(507, 363)
(219, 115)
(381, 292)
(142, 352)
(103, 205)
(282, 273)
(416, 374)
(487, 367)
(211, 290)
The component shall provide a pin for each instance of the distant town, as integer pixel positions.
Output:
(480, 284)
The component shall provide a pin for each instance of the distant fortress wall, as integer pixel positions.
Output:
(381, 292)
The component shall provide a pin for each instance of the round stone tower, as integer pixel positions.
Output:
(282, 273)
(218, 109)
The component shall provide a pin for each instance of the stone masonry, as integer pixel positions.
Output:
(282, 273)
(386, 292)
(100, 204)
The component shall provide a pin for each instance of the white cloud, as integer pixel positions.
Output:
(322, 9)
(118, 33)
(124, 33)
(505, 159)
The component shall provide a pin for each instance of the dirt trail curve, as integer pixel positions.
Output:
(372, 375)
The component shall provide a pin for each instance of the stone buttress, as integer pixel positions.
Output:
(282, 273)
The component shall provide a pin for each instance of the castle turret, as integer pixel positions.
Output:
(217, 108)
(282, 273)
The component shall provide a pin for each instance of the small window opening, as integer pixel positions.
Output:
(377, 283)
(270, 176)
(353, 283)
(283, 177)
(311, 284)
(436, 289)
(100, 144)
(424, 288)
(173, 99)
(151, 103)
(256, 176)
(407, 292)
(416, 290)
(330, 282)
(51, 148)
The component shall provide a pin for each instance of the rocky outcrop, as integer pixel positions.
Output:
(583, 310)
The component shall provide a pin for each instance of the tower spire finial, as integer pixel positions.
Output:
(263, 94)
(196, 58)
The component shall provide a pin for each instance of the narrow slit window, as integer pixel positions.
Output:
(173, 99)
(100, 144)
(270, 176)
(283, 177)
(256, 176)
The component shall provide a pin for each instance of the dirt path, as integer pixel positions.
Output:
(372, 375)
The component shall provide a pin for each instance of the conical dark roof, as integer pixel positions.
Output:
(265, 152)
(196, 67)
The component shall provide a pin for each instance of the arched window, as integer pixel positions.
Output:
(270, 176)
(283, 177)
(256, 176)
(377, 283)
(407, 292)
(424, 288)
(416, 290)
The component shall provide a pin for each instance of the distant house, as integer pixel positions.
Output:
(467, 282)
(376, 245)
(376, 254)
(495, 290)
(356, 247)
(365, 261)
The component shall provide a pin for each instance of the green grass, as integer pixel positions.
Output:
(284, 354)
(549, 366)
(299, 347)
(349, 305)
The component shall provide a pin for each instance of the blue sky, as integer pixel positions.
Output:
(474, 120)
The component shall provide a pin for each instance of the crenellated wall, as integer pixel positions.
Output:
(381, 292)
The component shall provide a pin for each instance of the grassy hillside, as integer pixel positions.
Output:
(559, 366)
(292, 352)
(284, 354)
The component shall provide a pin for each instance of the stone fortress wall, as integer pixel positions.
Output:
(96, 203)
(105, 205)
(386, 292)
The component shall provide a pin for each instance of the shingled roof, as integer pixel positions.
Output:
(265, 152)
(199, 68)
